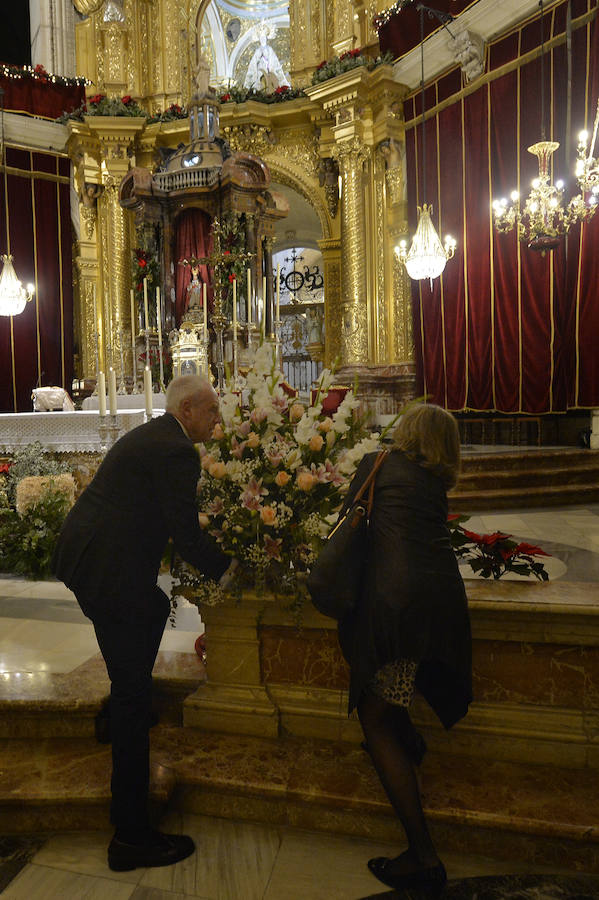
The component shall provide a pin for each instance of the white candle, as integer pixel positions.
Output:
(278, 290)
(234, 309)
(146, 303)
(205, 290)
(158, 317)
(249, 315)
(264, 306)
(112, 391)
(133, 319)
(148, 391)
(102, 393)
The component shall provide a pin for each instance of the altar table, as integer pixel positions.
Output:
(127, 401)
(62, 431)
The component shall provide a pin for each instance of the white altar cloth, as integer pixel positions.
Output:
(62, 431)
(127, 401)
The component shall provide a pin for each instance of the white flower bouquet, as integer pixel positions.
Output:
(273, 479)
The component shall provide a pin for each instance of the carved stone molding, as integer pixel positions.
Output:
(468, 49)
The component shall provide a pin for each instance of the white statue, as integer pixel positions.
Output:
(113, 11)
(265, 72)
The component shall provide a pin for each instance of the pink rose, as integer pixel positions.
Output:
(305, 481)
(282, 478)
(207, 461)
(203, 520)
(218, 432)
(218, 470)
(268, 515)
(316, 442)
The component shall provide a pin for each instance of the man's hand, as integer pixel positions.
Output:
(227, 577)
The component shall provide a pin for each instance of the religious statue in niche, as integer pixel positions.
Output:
(314, 325)
(328, 178)
(265, 72)
(194, 290)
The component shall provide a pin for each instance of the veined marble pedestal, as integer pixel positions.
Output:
(536, 675)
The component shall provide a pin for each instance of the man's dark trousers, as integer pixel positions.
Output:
(129, 650)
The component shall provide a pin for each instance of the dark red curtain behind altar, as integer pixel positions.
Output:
(36, 347)
(37, 97)
(505, 328)
(192, 238)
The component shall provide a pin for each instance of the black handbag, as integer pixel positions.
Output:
(335, 580)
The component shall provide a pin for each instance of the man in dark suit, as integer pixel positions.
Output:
(109, 554)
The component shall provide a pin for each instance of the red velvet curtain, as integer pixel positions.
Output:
(506, 328)
(36, 347)
(193, 238)
(39, 98)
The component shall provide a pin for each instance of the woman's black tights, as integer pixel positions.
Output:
(383, 725)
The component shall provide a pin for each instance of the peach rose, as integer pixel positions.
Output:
(218, 470)
(282, 478)
(253, 440)
(316, 442)
(296, 412)
(207, 461)
(306, 481)
(331, 438)
(218, 432)
(326, 424)
(268, 515)
(203, 520)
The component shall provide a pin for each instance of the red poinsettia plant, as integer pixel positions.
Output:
(493, 555)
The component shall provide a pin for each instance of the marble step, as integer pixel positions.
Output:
(530, 460)
(524, 496)
(44, 705)
(506, 478)
(542, 814)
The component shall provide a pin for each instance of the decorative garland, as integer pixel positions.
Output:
(383, 17)
(351, 59)
(38, 73)
(173, 112)
(240, 95)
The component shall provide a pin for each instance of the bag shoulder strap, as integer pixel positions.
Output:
(368, 483)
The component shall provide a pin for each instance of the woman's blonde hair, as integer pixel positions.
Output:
(429, 436)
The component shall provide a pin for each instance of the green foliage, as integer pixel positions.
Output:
(27, 542)
(173, 112)
(236, 94)
(352, 59)
(31, 460)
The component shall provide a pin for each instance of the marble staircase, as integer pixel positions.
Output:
(515, 479)
(516, 780)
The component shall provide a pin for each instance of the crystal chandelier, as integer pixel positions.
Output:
(544, 219)
(13, 296)
(427, 256)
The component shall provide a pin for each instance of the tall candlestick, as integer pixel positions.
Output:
(205, 294)
(148, 391)
(112, 391)
(158, 317)
(234, 309)
(102, 393)
(264, 306)
(133, 318)
(278, 291)
(249, 315)
(146, 303)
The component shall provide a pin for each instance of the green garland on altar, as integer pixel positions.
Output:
(383, 17)
(38, 73)
(351, 59)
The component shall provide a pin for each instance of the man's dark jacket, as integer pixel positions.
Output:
(111, 545)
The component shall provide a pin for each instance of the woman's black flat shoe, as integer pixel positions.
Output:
(431, 880)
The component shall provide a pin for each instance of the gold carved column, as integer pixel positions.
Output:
(331, 259)
(354, 342)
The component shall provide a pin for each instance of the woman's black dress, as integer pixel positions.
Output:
(413, 604)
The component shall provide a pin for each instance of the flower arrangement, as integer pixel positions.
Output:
(273, 478)
(145, 265)
(493, 555)
(36, 493)
(236, 94)
(173, 112)
(101, 105)
(351, 59)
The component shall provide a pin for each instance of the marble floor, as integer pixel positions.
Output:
(42, 631)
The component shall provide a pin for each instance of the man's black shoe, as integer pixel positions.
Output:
(158, 849)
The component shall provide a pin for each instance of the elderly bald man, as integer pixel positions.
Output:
(109, 553)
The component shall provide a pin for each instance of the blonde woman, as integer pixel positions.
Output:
(411, 629)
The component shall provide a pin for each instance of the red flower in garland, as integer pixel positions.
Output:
(321, 65)
(127, 99)
(226, 252)
(142, 263)
(96, 99)
(232, 278)
(4, 468)
(282, 89)
(225, 97)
